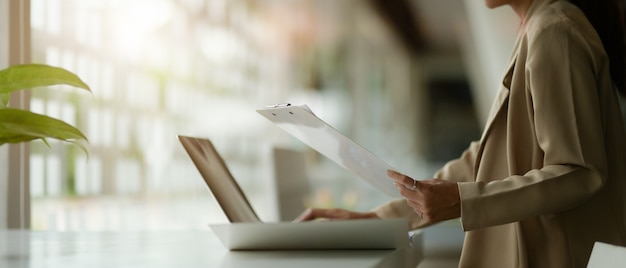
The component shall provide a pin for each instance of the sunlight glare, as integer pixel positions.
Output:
(136, 22)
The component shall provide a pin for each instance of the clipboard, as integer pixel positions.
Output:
(302, 123)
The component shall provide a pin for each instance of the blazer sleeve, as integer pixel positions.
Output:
(561, 70)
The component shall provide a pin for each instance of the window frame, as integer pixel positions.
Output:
(15, 196)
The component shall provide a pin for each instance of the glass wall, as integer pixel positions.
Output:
(159, 68)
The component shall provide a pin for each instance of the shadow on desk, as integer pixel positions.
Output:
(323, 258)
(442, 245)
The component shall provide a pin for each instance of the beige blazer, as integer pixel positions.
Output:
(547, 179)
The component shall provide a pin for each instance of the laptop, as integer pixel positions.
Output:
(246, 231)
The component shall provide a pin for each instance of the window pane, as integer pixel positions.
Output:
(159, 68)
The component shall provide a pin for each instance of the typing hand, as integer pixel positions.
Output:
(333, 214)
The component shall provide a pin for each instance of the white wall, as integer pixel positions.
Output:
(488, 47)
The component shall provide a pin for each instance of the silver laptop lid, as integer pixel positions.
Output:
(219, 179)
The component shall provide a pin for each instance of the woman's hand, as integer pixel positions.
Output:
(333, 214)
(433, 200)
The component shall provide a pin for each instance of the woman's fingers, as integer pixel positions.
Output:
(411, 190)
(402, 180)
(317, 213)
(333, 214)
(307, 215)
(433, 200)
(407, 186)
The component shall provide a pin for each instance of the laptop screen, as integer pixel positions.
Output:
(219, 179)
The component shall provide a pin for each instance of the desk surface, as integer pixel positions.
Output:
(20, 249)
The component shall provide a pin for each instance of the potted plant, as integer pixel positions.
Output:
(17, 125)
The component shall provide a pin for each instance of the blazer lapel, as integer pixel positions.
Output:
(501, 98)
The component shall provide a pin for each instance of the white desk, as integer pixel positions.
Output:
(21, 249)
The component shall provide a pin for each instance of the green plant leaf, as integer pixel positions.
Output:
(26, 76)
(20, 126)
(4, 100)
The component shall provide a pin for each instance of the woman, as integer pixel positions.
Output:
(547, 179)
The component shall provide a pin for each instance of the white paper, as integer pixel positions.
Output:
(300, 122)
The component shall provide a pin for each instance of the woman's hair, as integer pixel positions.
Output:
(606, 16)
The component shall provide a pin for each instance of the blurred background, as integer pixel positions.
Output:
(405, 79)
(411, 80)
